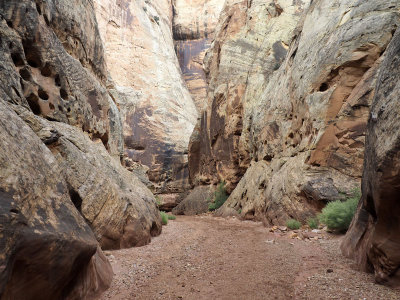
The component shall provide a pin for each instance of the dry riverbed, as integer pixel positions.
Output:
(204, 257)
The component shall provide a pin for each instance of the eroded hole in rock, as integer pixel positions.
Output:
(16, 91)
(43, 94)
(46, 70)
(14, 210)
(51, 106)
(64, 94)
(39, 10)
(17, 59)
(32, 54)
(25, 74)
(76, 199)
(10, 24)
(57, 80)
(33, 102)
(46, 19)
(60, 108)
(155, 230)
(324, 87)
(102, 137)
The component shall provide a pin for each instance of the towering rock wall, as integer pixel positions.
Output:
(63, 189)
(157, 111)
(194, 24)
(373, 238)
(288, 103)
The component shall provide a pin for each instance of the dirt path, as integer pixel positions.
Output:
(212, 258)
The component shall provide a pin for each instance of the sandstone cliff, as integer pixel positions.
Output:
(288, 102)
(157, 111)
(63, 188)
(194, 24)
(373, 238)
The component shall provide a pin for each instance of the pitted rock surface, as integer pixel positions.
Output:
(294, 104)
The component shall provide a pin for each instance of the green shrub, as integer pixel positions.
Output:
(220, 197)
(164, 218)
(313, 223)
(293, 224)
(337, 215)
(171, 217)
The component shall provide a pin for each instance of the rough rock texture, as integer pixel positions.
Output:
(196, 202)
(373, 239)
(293, 99)
(157, 111)
(194, 24)
(53, 64)
(52, 61)
(119, 208)
(47, 251)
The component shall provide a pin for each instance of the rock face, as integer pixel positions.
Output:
(157, 111)
(288, 103)
(47, 249)
(373, 238)
(194, 24)
(62, 183)
(115, 203)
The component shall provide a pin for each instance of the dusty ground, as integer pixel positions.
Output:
(213, 258)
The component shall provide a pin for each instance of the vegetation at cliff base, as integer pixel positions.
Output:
(313, 223)
(293, 224)
(164, 217)
(337, 215)
(220, 196)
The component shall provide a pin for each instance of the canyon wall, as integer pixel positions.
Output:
(194, 24)
(374, 235)
(64, 192)
(290, 85)
(157, 111)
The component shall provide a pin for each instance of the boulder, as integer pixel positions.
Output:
(373, 239)
(47, 249)
(196, 202)
(119, 208)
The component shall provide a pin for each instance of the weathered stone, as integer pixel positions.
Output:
(53, 63)
(194, 24)
(196, 202)
(295, 103)
(47, 251)
(119, 208)
(373, 239)
(157, 111)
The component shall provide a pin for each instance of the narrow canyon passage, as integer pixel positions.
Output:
(205, 257)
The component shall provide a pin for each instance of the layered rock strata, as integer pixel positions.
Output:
(374, 235)
(288, 103)
(194, 24)
(157, 111)
(64, 189)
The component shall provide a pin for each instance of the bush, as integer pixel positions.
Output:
(337, 215)
(313, 223)
(220, 197)
(171, 217)
(164, 218)
(293, 224)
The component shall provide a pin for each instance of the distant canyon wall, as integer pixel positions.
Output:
(194, 24)
(157, 111)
